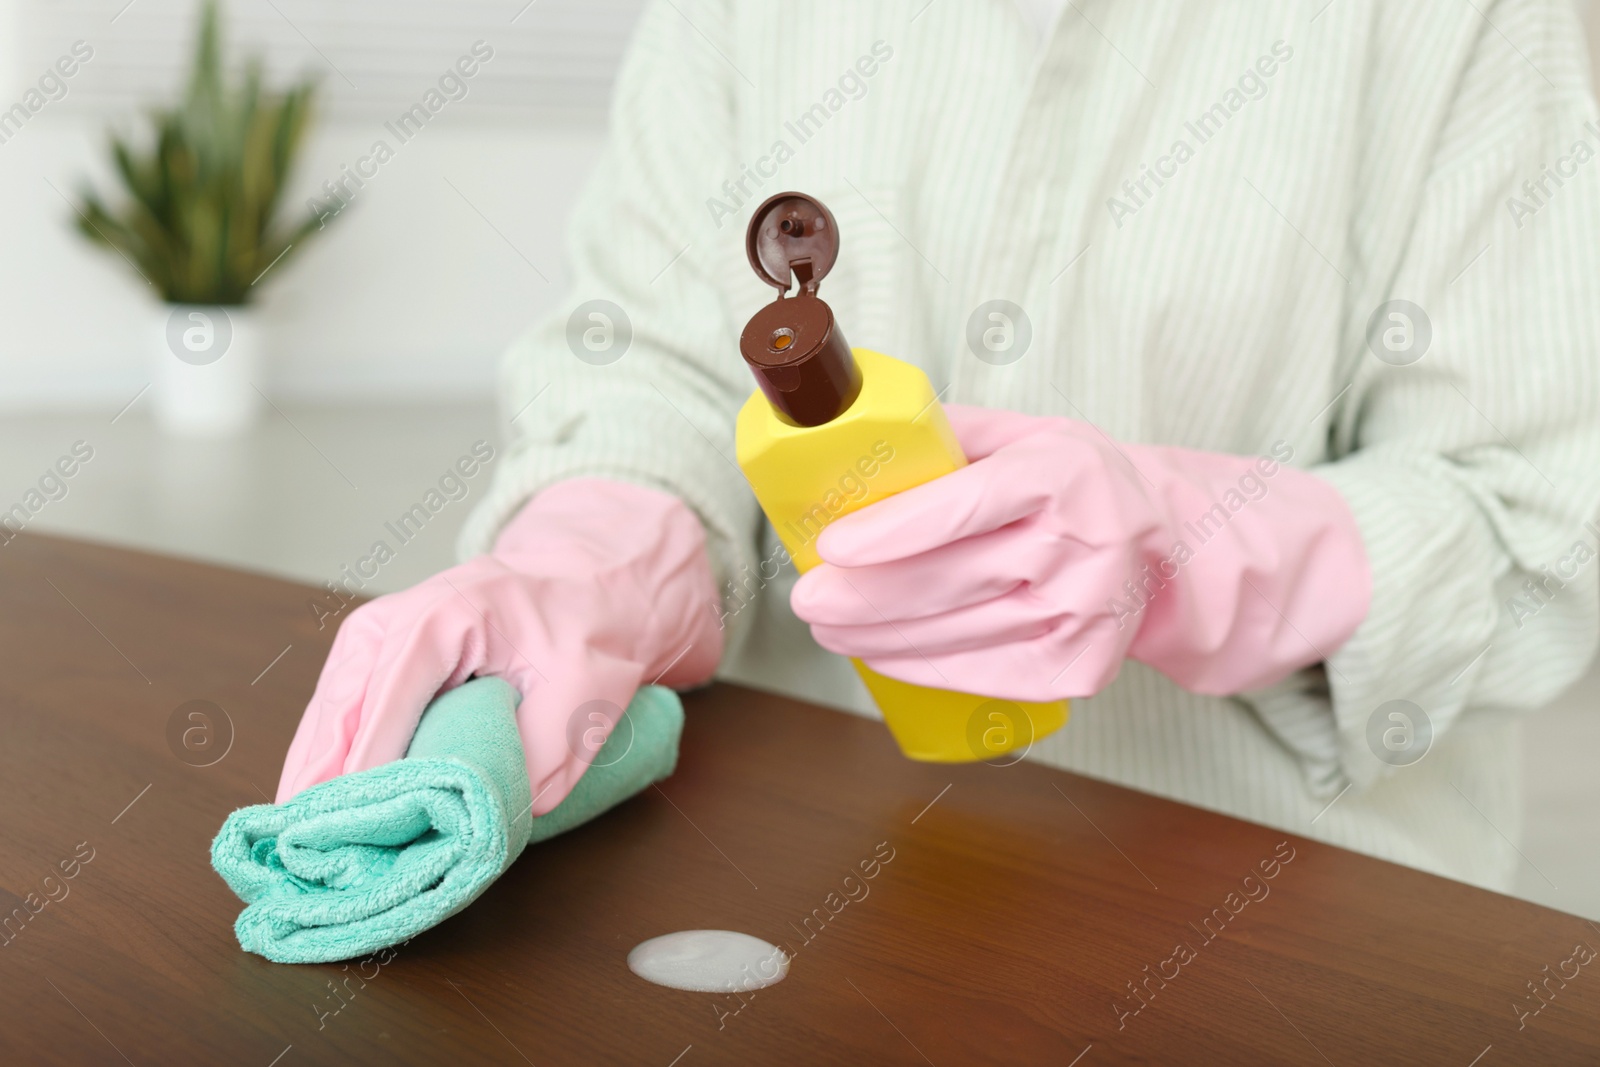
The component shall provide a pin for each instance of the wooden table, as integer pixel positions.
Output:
(1009, 910)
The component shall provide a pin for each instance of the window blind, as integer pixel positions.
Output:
(553, 60)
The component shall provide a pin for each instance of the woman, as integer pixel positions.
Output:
(1308, 296)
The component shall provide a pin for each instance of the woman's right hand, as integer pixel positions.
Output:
(594, 589)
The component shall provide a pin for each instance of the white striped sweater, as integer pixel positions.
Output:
(1199, 208)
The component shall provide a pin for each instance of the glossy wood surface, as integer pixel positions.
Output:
(1009, 912)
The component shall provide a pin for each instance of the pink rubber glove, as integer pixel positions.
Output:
(592, 590)
(1031, 573)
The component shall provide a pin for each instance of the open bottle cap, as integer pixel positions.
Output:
(792, 235)
(801, 361)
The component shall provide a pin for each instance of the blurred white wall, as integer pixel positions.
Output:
(409, 294)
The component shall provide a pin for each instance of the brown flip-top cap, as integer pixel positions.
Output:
(800, 359)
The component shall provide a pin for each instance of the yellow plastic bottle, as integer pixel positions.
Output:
(832, 430)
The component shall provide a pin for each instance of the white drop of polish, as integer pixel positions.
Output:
(709, 961)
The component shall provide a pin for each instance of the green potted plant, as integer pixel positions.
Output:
(200, 223)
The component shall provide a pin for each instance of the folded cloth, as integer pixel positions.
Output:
(368, 860)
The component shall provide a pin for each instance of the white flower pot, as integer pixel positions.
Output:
(206, 365)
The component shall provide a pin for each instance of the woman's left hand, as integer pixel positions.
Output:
(1034, 571)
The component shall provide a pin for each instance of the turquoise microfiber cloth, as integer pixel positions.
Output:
(368, 860)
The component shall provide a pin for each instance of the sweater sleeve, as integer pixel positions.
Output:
(1468, 441)
(635, 375)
